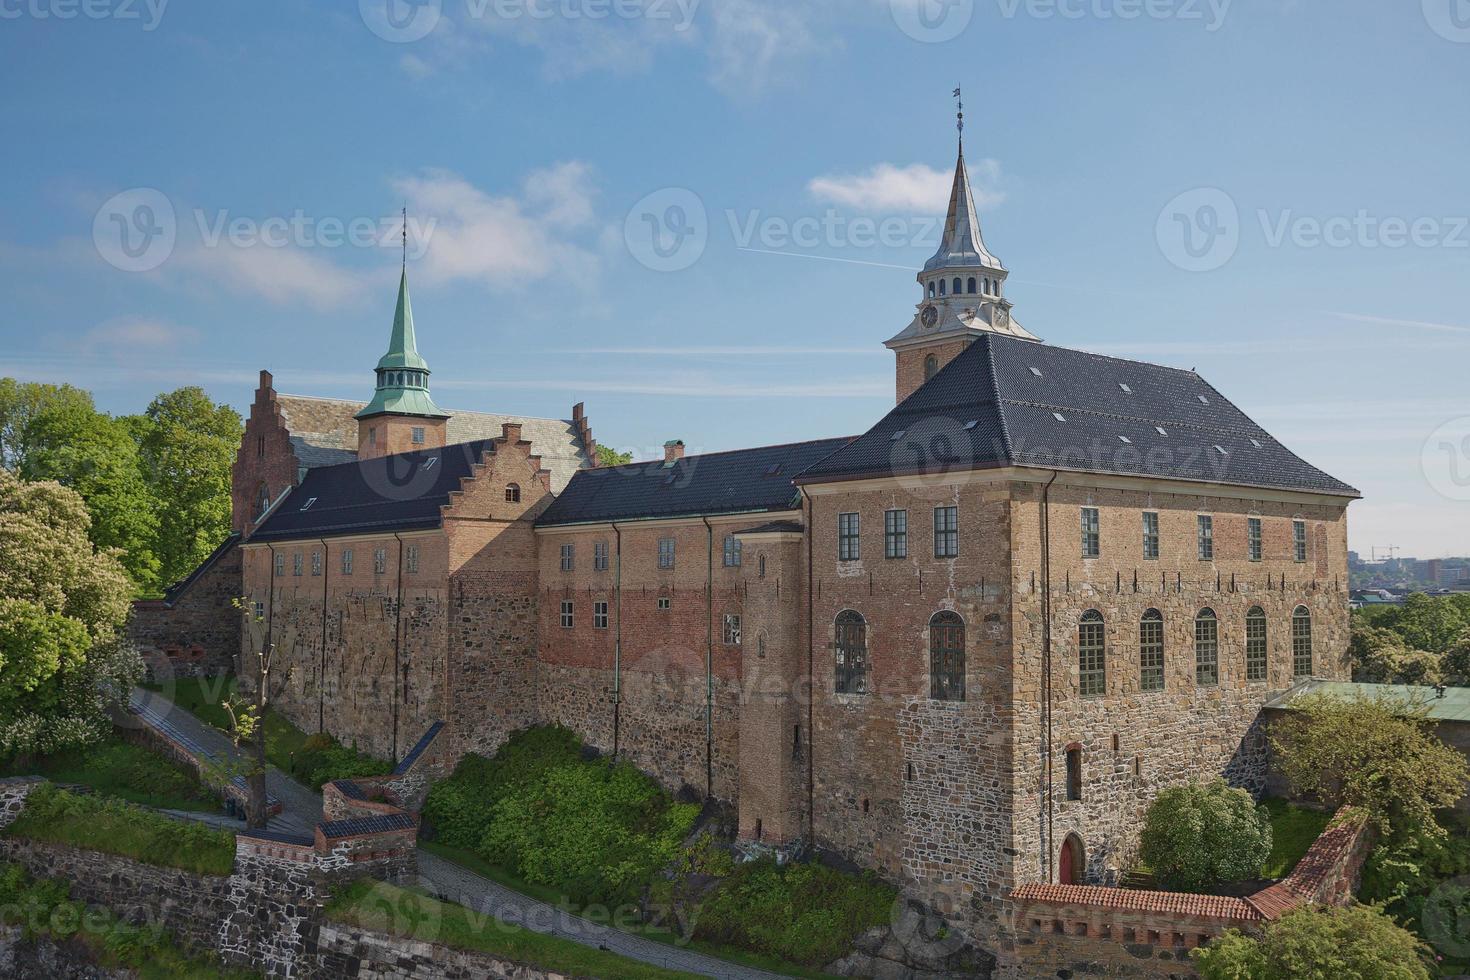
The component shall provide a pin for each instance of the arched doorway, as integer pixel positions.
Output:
(1071, 864)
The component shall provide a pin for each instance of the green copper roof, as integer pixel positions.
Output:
(1452, 705)
(403, 376)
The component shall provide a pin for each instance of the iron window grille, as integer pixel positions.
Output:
(851, 653)
(947, 657)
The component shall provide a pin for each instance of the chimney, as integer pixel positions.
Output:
(673, 451)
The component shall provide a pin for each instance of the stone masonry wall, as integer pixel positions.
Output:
(349, 952)
(197, 634)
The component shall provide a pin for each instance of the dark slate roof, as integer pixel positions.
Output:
(772, 527)
(998, 402)
(357, 826)
(740, 481)
(390, 493)
(419, 748)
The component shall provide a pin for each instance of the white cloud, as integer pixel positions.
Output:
(280, 275)
(915, 188)
(503, 240)
(754, 44)
(132, 334)
(1413, 324)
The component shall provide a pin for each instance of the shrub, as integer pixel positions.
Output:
(1379, 754)
(804, 913)
(104, 824)
(1356, 943)
(1199, 836)
(321, 759)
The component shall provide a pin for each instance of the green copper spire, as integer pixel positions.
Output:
(403, 376)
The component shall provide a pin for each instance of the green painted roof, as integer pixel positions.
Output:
(1454, 705)
(394, 394)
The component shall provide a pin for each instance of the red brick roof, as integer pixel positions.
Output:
(1131, 900)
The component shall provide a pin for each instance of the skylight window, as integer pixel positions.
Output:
(773, 469)
(1036, 371)
(1059, 416)
(1126, 389)
(1124, 439)
(898, 435)
(1202, 399)
(1221, 450)
(1160, 430)
(309, 502)
(971, 424)
(1256, 443)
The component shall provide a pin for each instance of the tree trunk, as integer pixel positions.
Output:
(256, 816)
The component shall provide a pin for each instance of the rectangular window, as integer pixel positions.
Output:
(1206, 649)
(373, 436)
(1151, 653)
(346, 561)
(296, 563)
(259, 610)
(418, 435)
(1299, 539)
(946, 532)
(848, 548)
(566, 614)
(316, 563)
(1255, 645)
(732, 630)
(1150, 535)
(599, 556)
(895, 534)
(663, 603)
(280, 564)
(732, 551)
(1253, 537)
(1205, 525)
(413, 558)
(380, 560)
(599, 615)
(665, 552)
(1091, 533)
(1092, 657)
(568, 557)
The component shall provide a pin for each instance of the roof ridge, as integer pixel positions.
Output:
(436, 452)
(727, 452)
(1107, 357)
(1000, 408)
(450, 411)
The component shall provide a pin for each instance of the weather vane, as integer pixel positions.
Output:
(959, 116)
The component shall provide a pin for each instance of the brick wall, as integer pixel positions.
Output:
(909, 363)
(266, 460)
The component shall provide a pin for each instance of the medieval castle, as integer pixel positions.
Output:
(964, 648)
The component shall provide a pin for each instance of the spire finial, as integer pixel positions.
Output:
(405, 238)
(959, 117)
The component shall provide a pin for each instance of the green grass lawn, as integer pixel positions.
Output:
(101, 823)
(123, 769)
(1293, 830)
(412, 915)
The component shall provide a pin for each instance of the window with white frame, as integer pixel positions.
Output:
(732, 629)
(1205, 533)
(346, 561)
(411, 559)
(380, 560)
(418, 435)
(732, 551)
(665, 552)
(316, 563)
(599, 556)
(566, 614)
(895, 534)
(1150, 535)
(848, 543)
(280, 564)
(599, 614)
(946, 532)
(296, 563)
(1253, 538)
(1091, 533)
(568, 557)
(259, 610)
(664, 603)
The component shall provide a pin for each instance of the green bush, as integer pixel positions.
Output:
(123, 769)
(1199, 836)
(101, 823)
(804, 913)
(321, 759)
(1356, 943)
(593, 830)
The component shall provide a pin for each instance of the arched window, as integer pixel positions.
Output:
(264, 501)
(513, 493)
(931, 290)
(1092, 657)
(1255, 644)
(970, 285)
(1206, 648)
(956, 285)
(1301, 642)
(1151, 651)
(852, 653)
(946, 657)
(941, 287)
(931, 366)
(996, 287)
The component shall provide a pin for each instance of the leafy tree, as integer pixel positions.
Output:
(62, 607)
(1380, 754)
(1199, 836)
(608, 456)
(1380, 656)
(1355, 943)
(21, 401)
(1431, 623)
(187, 445)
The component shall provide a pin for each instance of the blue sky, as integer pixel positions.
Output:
(1314, 153)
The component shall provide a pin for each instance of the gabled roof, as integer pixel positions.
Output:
(1010, 402)
(324, 432)
(741, 481)
(402, 492)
